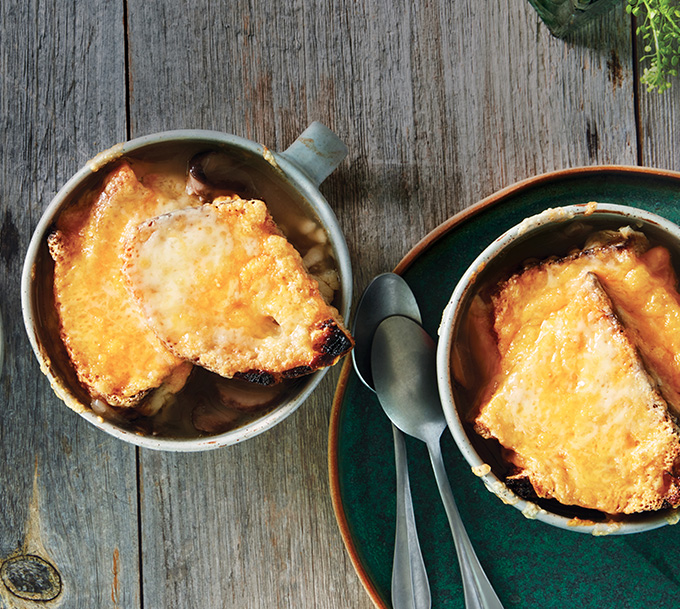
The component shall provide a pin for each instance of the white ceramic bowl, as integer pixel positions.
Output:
(553, 232)
(299, 170)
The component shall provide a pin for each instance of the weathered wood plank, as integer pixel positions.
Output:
(440, 103)
(68, 493)
(660, 127)
(249, 525)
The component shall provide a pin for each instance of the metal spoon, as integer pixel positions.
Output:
(387, 295)
(403, 365)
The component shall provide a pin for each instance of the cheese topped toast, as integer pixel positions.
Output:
(116, 356)
(573, 405)
(222, 287)
(639, 280)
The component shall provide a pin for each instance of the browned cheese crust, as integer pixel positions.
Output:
(221, 287)
(114, 353)
(577, 399)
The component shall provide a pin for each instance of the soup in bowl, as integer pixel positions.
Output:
(554, 370)
(135, 296)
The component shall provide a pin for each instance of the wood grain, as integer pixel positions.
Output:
(440, 103)
(69, 493)
(659, 130)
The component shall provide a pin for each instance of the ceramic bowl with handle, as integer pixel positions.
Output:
(286, 180)
(554, 232)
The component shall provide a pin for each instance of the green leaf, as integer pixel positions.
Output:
(659, 30)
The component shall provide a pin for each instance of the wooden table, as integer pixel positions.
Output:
(440, 103)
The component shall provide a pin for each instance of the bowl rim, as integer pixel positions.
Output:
(293, 174)
(444, 345)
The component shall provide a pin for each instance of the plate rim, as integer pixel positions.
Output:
(408, 259)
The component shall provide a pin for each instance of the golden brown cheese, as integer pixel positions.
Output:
(223, 288)
(641, 283)
(114, 353)
(573, 404)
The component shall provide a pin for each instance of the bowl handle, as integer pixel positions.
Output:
(316, 152)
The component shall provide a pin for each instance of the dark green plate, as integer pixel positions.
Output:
(531, 564)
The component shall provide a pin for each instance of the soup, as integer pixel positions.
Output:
(207, 404)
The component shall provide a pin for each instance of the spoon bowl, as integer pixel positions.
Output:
(404, 358)
(388, 294)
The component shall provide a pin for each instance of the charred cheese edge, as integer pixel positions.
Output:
(574, 407)
(222, 287)
(114, 353)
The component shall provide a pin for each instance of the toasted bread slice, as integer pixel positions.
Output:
(115, 354)
(576, 410)
(224, 289)
(639, 280)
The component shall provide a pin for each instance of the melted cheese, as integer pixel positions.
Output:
(641, 285)
(101, 325)
(223, 288)
(567, 390)
(578, 410)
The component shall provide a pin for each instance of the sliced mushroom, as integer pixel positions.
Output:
(212, 416)
(230, 403)
(215, 174)
(245, 396)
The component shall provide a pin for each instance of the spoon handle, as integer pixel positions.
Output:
(410, 586)
(479, 594)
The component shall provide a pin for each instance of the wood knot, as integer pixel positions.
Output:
(30, 577)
